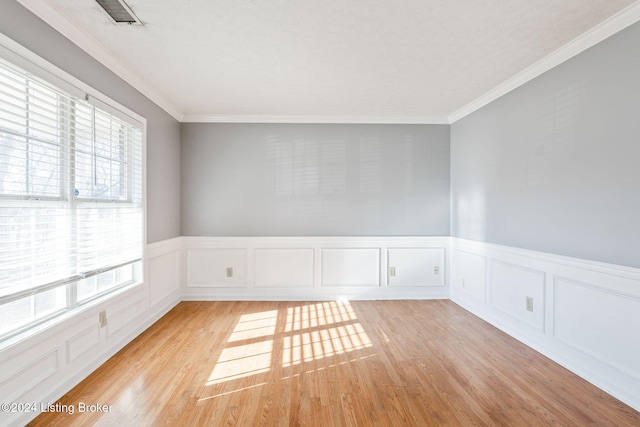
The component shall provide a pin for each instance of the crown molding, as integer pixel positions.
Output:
(248, 118)
(68, 29)
(59, 22)
(600, 32)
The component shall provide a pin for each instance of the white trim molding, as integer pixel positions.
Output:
(314, 268)
(58, 21)
(43, 366)
(48, 13)
(600, 32)
(583, 314)
(243, 118)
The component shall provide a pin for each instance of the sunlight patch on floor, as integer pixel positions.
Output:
(309, 346)
(255, 325)
(242, 361)
(319, 314)
(309, 332)
(316, 338)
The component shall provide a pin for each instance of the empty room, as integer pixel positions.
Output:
(336, 213)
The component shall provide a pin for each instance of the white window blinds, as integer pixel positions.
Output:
(71, 209)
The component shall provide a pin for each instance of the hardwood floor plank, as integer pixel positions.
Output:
(334, 363)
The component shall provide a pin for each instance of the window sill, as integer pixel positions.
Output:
(59, 323)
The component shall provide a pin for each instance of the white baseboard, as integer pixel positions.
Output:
(585, 313)
(318, 295)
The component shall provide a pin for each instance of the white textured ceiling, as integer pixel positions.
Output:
(330, 60)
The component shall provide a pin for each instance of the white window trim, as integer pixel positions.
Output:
(24, 58)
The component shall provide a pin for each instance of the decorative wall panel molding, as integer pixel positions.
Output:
(598, 322)
(470, 274)
(416, 266)
(283, 267)
(43, 365)
(219, 267)
(26, 372)
(83, 341)
(585, 314)
(519, 292)
(122, 315)
(315, 268)
(351, 267)
(163, 274)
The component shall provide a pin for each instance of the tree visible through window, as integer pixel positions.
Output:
(71, 221)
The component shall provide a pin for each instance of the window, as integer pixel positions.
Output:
(71, 208)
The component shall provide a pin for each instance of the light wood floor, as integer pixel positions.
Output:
(373, 363)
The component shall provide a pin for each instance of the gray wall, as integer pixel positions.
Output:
(163, 132)
(315, 179)
(554, 166)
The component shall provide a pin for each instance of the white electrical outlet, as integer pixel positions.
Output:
(530, 304)
(392, 272)
(436, 270)
(102, 317)
(229, 271)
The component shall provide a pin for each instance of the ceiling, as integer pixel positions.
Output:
(355, 61)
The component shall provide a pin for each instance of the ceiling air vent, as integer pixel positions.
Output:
(119, 11)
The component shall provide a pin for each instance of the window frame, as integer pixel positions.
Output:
(19, 56)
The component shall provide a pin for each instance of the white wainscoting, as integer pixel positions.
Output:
(50, 360)
(416, 266)
(221, 267)
(283, 268)
(586, 315)
(314, 268)
(164, 268)
(350, 267)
